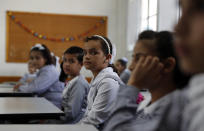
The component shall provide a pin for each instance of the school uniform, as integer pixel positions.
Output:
(74, 99)
(26, 77)
(126, 117)
(187, 107)
(46, 84)
(147, 99)
(125, 75)
(103, 91)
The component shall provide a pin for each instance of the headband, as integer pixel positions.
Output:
(107, 44)
(39, 46)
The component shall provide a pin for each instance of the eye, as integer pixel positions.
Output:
(64, 60)
(93, 52)
(31, 58)
(37, 57)
(71, 61)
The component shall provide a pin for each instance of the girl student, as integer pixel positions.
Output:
(46, 84)
(74, 95)
(28, 77)
(154, 67)
(189, 47)
(98, 56)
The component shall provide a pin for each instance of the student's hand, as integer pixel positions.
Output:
(29, 80)
(17, 86)
(147, 73)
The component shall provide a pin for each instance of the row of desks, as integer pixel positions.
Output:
(21, 106)
(17, 106)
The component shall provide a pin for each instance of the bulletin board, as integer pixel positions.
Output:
(58, 32)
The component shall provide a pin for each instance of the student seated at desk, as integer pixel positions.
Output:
(187, 106)
(46, 84)
(123, 72)
(104, 87)
(74, 96)
(28, 77)
(154, 67)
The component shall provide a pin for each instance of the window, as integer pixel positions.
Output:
(149, 15)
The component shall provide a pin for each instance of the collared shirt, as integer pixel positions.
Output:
(46, 84)
(103, 91)
(69, 85)
(74, 99)
(126, 117)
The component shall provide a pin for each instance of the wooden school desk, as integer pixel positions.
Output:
(3, 85)
(47, 128)
(8, 92)
(27, 108)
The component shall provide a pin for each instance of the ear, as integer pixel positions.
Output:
(169, 65)
(108, 58)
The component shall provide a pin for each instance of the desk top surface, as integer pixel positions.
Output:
(2, 85)
(26, 105)
(47, 128)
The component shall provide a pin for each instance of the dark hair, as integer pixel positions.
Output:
(76, 50)
(72, 50)
(54, 60)
(164, 41)
(45, 53)
(195, 6)
(122, 62)
(147, 35)
(62, 76)
(104, 47)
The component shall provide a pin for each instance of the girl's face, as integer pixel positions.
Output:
(71, 65)
(139, 50)
(94, 58)
(37, 59)
(31, 68)
(190, 49)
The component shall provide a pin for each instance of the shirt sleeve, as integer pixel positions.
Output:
(124, 109)
(23, 79)
(74, 103)
(103, 102)
(41, 83)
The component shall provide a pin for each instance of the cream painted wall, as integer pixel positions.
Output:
(168, 14)
(114, 9)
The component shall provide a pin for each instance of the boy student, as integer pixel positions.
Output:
(74, 96)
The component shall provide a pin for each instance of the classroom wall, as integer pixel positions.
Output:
(168, 14)
(167, 18)
(120, 22)
(114, 9)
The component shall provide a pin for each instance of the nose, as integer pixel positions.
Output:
(34, 61)
(87, 57)
(66, 63)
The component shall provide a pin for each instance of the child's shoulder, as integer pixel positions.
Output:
(82, 80)
(49, 68)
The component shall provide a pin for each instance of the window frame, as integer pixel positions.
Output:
(147, 20)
